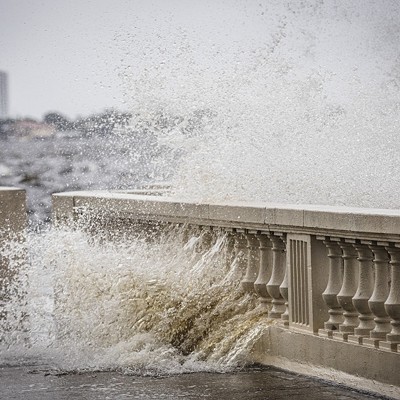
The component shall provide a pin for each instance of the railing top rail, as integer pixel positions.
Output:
(321, 219)
(10, 189)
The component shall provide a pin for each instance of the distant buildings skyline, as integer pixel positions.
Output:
(3, 94)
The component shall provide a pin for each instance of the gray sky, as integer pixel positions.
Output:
(68, 55)
(82, 56)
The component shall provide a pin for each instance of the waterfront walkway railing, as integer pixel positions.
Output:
(328, 272)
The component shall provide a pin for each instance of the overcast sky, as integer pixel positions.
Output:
(68, 55)
(82, 56)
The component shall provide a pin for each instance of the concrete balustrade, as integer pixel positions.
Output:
(329, 277)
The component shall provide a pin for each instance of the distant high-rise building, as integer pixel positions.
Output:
(3, 95)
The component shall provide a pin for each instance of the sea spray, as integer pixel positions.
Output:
(292, 103)
(170, 304)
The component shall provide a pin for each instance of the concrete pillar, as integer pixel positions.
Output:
(278, 273)
(264, 274)
(229, 250)
(347, 291)
(284, 289)
(12, 227)
(253, 262)
(240, 250)
(12, 211)
(392, 304)
(380, 294)
(363, 293)
(332, 289)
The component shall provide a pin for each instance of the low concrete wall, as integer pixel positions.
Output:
(343, 221)
(343, 363)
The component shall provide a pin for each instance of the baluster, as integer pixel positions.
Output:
(379, 296)
(363, 294)
(284, 290)
(264, 274)
(253, 262)
(332, 289)
(186, 233)
(240, 250)
(392, 304)
(347, 292)
(192, 242)
(229, 250)
(198, 232)
(277, 275)
(206, 239)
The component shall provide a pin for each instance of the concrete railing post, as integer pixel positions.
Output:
(229, 250)
(392, 304)
(332, 289)
(380, 294)
(277, 275)
(347, 291)
(284, 289)
(207, 239)
(264, 274)
(305, 281)
(363, 293)
(240, 250)
(253, 262)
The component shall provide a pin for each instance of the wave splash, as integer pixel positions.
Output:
(172, 304)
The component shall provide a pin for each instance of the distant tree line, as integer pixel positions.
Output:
(99, 124)
(158, 122)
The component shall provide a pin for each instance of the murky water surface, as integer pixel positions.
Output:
(35, 383)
